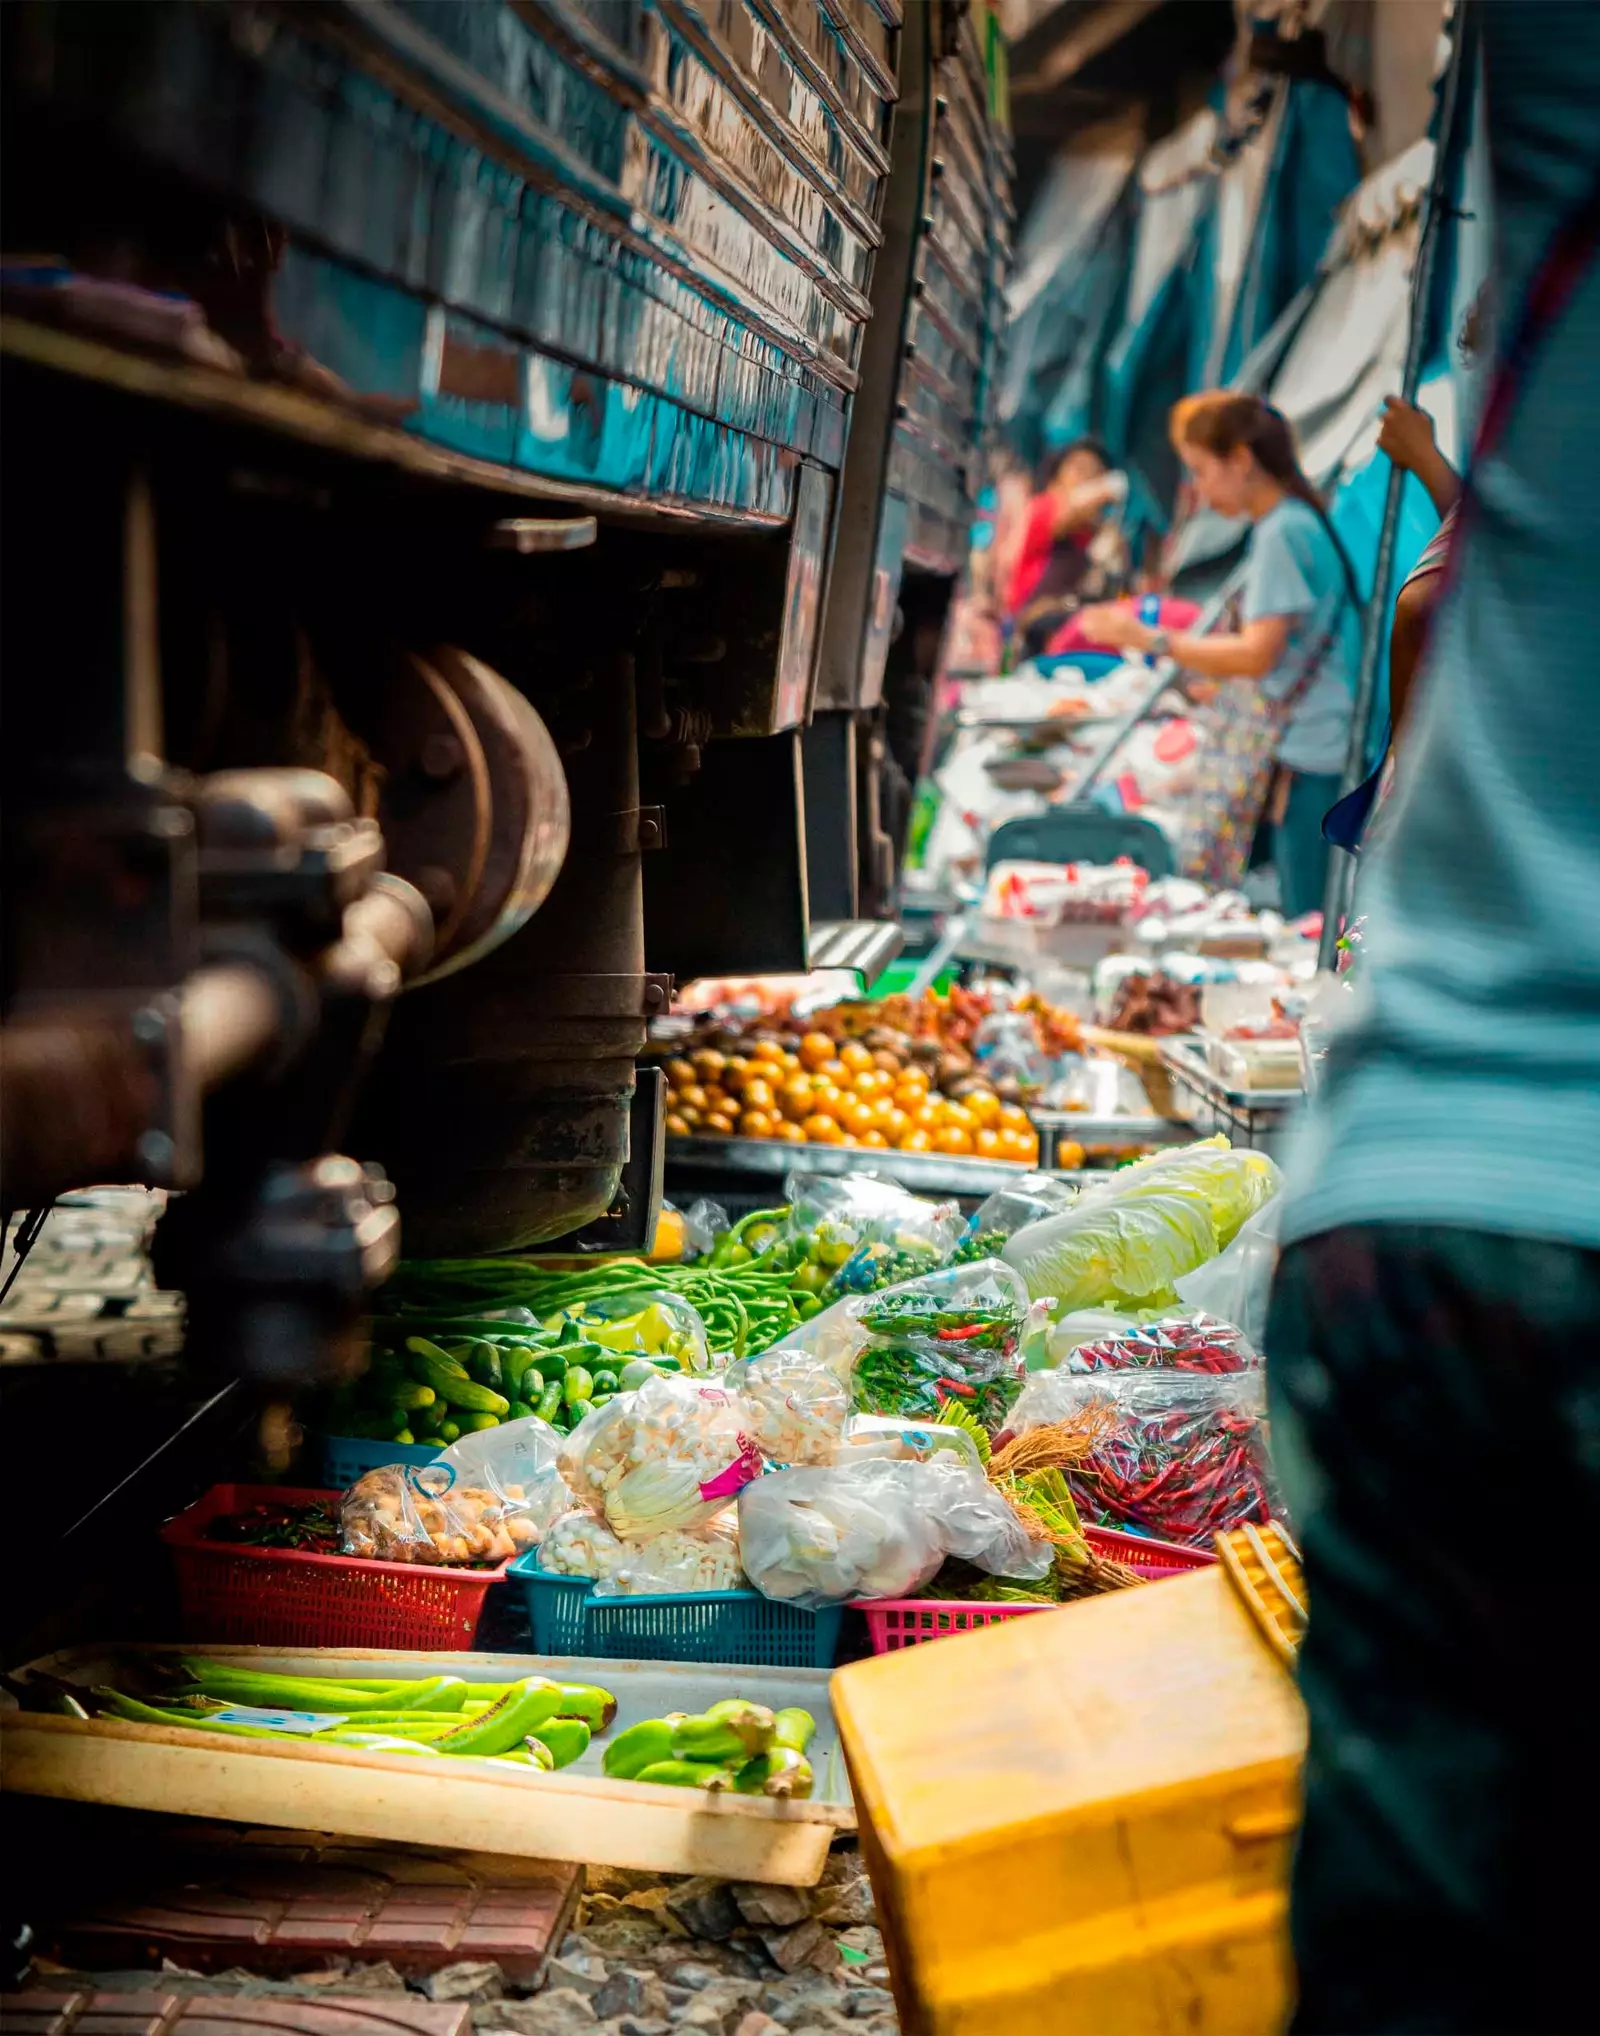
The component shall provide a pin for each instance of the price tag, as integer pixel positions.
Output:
(282, 1721)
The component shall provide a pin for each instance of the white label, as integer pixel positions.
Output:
(282, 1721)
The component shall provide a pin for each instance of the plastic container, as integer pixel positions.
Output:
(741, 1627)
(905, 1622)
(1144, 1553)
(287, 1597)
(348, 1457)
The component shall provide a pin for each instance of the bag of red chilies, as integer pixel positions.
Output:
(1183, 1455)
(1181, 1343)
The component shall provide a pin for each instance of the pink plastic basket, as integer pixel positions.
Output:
(288, 1597)
(894, 1623)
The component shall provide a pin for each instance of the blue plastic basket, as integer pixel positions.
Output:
(741, 1627)
(555, 1607)
(348, 1457)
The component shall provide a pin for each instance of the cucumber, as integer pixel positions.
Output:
(549, 1401)
(449, 1431)
(516, 1361)
(474, 1424)
(520, 1411)
(577, 1385)
(483, 1363)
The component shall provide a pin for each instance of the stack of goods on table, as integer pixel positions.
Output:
(1048, 894)
(895, 1074)
(851, 1397)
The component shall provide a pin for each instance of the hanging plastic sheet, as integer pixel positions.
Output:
(1310, 170)
(1349, 351)
(1066, 289)
(1145, 364)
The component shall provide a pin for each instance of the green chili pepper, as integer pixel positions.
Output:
(525, 1708)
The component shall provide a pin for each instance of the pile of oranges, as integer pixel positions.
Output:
(825, 1093)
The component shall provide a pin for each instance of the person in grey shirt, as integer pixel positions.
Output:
(1298, 630)
(1434, 1339)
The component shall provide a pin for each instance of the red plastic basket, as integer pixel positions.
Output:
(906, 1622)
(287, 1597)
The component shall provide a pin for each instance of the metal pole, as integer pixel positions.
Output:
(1453, 129)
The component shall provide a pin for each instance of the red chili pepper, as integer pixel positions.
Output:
(959, 1335)
(955, 1386)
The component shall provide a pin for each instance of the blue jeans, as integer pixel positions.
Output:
(1298, 849)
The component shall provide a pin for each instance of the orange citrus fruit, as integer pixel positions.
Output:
(815, 1048)
(821, 1130)
(917, 1140)
(952, 1138)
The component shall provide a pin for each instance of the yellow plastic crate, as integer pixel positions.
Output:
(1080, 1823)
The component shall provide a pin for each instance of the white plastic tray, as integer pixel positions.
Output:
(577, 1813)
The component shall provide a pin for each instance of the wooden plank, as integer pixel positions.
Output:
(373, 1795)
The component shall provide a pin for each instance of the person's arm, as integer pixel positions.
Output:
(1079, 508)
(1408, 638)
(1250, 652)
(1407, 437)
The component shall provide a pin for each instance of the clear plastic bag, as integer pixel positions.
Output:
(868, 1232)
(1126, 1252)
(580, 1544)
(795, 1402)
(670, 1455)
(953, 1335)
(1237, 1285)
(1086, 1325)
(1192, 1343)
(1006, 1045)
(480, 1502)
(644, 1322)
(1012, 1208)
(678, 1561)
(703, 1223)
(899, 1440)
(877, 1530)
(1182, 1456)
(1233, 1183)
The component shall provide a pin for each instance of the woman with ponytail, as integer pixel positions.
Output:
(1298, 632)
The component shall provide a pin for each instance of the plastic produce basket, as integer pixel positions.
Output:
(348, 1457)
(893, 1623)
(287, 1597)
(742, 1627)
